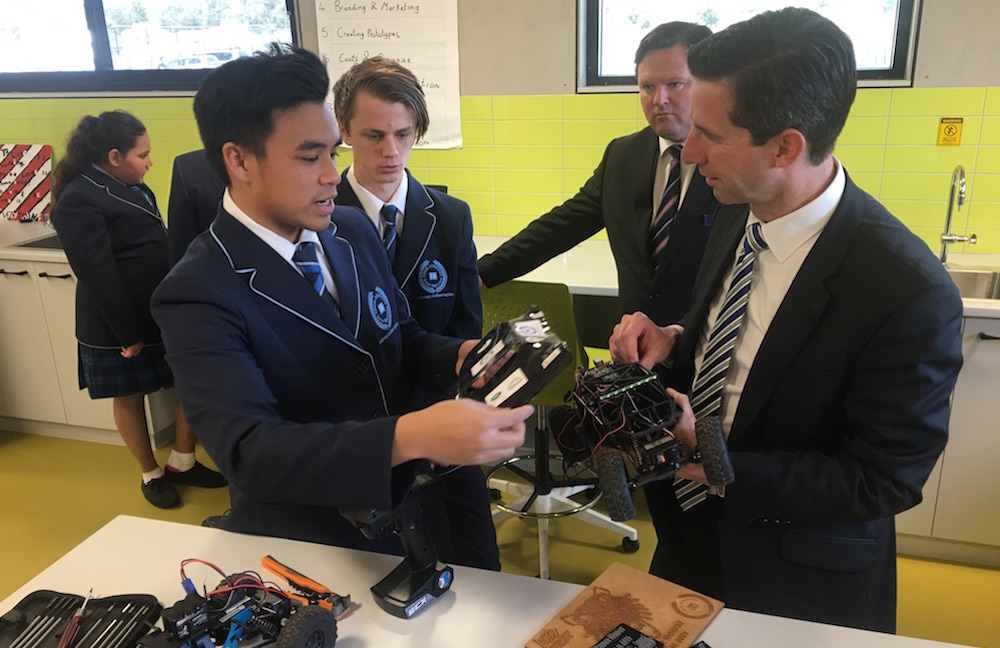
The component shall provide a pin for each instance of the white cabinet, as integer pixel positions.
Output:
(29, 384)
(38, 361)
(969, 495)
(57, 287)
(39, 384)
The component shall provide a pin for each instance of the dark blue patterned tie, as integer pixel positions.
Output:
(663, 221)
(706, 392)
(305, 258)
(388, 214)
(139, 190)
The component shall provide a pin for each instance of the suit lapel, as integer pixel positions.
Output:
(698, 202)
(346, 195)
(274, 280)
(640, 173)
(418, 227)
(800, 310)
(344, 267)
(122, 192)
(714, 275)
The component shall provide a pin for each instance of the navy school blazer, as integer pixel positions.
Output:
(195, 193)
(291, 401)
(116, 245)
(435, 266)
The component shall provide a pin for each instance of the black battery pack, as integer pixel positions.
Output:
(532, 356)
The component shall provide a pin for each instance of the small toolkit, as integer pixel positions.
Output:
(45, 619)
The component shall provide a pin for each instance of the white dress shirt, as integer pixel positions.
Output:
(373, 205)
(789, 239)
(660, 178)
(281, 245)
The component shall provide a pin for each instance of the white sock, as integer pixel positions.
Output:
(152, 474)
(181, 461)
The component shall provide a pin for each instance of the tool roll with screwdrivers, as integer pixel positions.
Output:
(45, 619)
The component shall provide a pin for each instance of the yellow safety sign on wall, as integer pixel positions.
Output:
(950, 131)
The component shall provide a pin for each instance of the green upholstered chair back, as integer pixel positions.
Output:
(508, 300)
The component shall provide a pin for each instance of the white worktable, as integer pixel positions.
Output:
(587, 269)
(485, 609)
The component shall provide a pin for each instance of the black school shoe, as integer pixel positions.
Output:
(160, 493)
(215, 521)
(199, 476)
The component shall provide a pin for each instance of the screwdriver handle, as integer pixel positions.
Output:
(69, 634)
(73, 627)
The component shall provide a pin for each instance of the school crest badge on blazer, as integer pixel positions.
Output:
(433, 277)
(378, 304)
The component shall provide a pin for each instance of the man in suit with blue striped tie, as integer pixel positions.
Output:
(823, 334)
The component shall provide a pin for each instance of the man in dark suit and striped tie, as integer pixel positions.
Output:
(657, 251)
(824, 335)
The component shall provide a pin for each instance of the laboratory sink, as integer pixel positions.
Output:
(50, 242)
(976, 283)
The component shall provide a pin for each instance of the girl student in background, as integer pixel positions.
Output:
(116, 243)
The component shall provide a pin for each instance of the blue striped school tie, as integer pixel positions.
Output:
(305, 258)
(139, 190)
(388, 214)
(706, 392)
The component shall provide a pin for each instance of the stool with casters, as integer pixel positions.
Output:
(528, 486)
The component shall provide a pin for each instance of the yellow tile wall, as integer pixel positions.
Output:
(169, 120)
(523, 155)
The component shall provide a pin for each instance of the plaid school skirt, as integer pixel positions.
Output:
(106, 374)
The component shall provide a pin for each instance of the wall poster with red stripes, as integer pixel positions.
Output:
(25, 193)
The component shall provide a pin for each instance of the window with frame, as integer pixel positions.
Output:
(883, 33)
(68, 46)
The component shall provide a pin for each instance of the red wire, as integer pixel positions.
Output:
(605, 437)
(185, 562)
(559, 437)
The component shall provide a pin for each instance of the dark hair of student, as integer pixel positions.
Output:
(385, 80)
(92, 140)
(790, 68)
(237, 101)
(669, 34)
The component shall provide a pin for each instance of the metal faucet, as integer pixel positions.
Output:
(957, 179)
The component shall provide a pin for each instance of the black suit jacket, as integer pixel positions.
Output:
(195, 193)
(116, 244)
(292, 402)
(843, 415)
(619, 197)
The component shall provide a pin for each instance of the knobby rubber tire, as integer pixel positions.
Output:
(309, 627)
(613, 479)
(714, 453)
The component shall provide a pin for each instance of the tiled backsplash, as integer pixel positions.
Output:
(524, 154)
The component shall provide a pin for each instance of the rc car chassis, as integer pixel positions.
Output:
(620, 423)
(244, 610)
